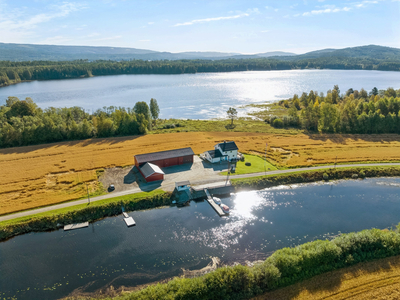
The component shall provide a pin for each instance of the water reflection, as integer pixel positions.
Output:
(54, 264)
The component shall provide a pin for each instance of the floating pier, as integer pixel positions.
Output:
(129, 221)
(216, 207)
(76, 226)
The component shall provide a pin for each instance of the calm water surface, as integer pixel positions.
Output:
(194, 96)
(53, 265)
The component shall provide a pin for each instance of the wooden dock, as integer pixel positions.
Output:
(76, 226)
(216, 207)
(129, 221)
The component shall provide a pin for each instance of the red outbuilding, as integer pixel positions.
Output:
(151, 172)
(166, 158)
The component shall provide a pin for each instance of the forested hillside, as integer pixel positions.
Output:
(14, 72)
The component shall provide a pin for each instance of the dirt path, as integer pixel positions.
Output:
(196, 174)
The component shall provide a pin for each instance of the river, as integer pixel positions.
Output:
(195, 96)
(52, 265)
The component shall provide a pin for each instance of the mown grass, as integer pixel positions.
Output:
(82, 206)
(258, 164)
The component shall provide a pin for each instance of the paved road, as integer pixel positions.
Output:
(170, 186)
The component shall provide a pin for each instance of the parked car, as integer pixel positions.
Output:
(111, 187)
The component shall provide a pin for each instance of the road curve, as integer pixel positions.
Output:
(171, 186)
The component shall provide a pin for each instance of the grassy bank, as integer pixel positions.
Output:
(261, 182)
(285, 267)
(81, 213)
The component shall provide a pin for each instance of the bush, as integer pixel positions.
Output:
(325, 176)
(277, 123)
(247, 163)
(362, 174)
(354, 176)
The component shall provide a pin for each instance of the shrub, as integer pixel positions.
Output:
(247, 163)
(362, 174)
(277, 123)
(325, 176)
(354, 176)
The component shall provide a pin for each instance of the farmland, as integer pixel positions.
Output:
(35, 176)
(379, 279)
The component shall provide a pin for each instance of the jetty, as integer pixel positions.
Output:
(129, 221)
(76, 226)
(216, 207)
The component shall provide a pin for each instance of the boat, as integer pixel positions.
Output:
(225, 208)
(217, 200)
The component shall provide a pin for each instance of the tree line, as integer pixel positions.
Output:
(23, 123)
(14, 72)
(352, 112)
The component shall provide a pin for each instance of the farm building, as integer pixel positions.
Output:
(226, 151)
(166, 158)
(151, 172)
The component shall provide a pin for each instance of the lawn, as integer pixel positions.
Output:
(258, 164)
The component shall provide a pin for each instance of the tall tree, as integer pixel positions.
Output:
(232, 114)
(142, 108)
(154, 109)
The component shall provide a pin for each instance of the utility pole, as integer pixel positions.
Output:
(87, 188)
(335, 161)
(265, 162)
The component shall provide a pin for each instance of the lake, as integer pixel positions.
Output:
(54, 264)
(195, 96)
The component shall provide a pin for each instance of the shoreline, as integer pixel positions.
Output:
(95, 213)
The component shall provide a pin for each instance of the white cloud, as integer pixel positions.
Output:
(28, 22)
(212, 19)
(144, 40)
(150, 23)
(333, 9)
(326, 11)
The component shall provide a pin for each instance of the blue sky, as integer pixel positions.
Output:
(226, 26)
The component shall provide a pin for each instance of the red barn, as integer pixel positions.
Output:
(166, 158)
(151, 172)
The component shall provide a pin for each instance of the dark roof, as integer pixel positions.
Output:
(215, 153)
(228, 146)
(142, 158)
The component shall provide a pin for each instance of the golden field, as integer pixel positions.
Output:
(40, 175)
(378, 279)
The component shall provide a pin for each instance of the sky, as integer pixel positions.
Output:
(235, 26)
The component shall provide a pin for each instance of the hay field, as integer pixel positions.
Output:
(40, 175)
(378, 279)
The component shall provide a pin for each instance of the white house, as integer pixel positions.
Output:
(226, 151)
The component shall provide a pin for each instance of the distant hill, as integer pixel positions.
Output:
(363, 52)
(30, 52)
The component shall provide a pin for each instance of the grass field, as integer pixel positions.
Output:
(41, 175)
(379, 279)
(258, 164)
